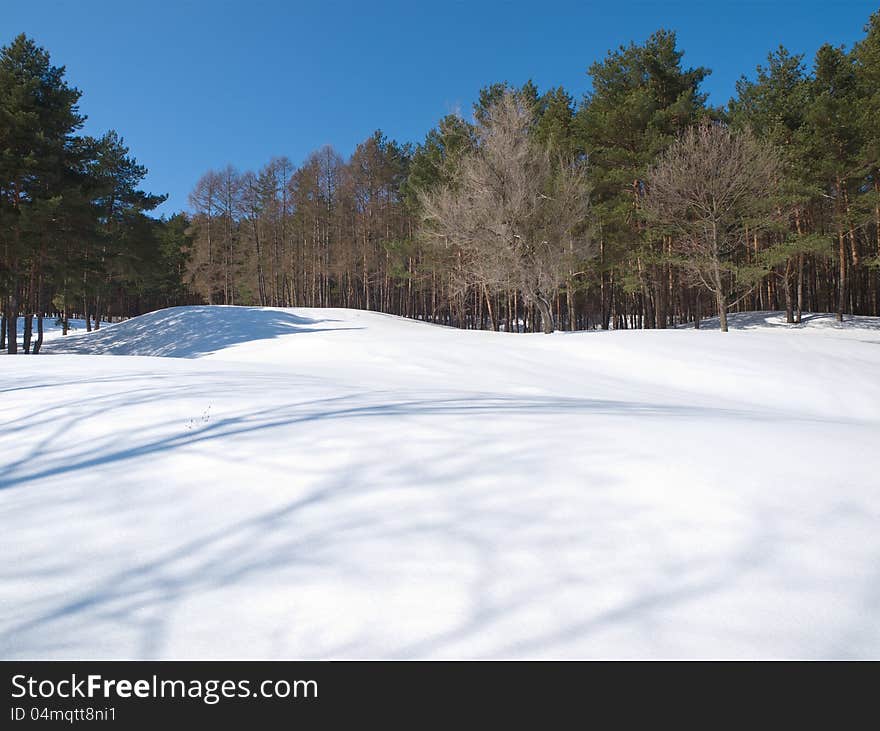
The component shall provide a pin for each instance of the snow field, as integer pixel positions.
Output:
(305, 483)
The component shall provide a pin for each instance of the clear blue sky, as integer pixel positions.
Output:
(194, 85)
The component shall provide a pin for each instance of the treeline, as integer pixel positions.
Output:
(540, 212)
(329, 233)
(75, 237)
(353, 233)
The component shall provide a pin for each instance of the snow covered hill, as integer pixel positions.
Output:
(334, 483)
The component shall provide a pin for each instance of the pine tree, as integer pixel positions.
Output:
(642, 98)
(832, 141)
(774, 106)
(867, 71)
(38, 118)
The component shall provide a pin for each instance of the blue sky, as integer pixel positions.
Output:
(196, 85)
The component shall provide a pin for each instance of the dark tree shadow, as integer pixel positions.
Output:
(775, 320)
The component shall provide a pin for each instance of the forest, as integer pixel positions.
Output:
(637, 206)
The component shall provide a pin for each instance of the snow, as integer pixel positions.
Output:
(51, 328)
(328, 483)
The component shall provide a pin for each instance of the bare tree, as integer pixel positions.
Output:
(203, 268)
(710, 191)
(256, 197)
(515, 217)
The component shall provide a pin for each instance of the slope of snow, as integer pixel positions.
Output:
(336, 483)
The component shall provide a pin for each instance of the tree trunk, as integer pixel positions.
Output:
(800, 288)
(491, 311)
(39, 341)
(841, 279)
(786, 289)
(28, 330)
(12, 325)
(546, 315)
(647, 305)
(876, 277)
(722, 310)
(841, 260)
(657, 275)
(603, 290)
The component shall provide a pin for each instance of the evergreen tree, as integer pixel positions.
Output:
(642, 98)
(774, 106)
(38, 118)
(555, 127)
(867, 70)
(832, 142)
(436, 160)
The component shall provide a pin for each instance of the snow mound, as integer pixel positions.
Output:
(189, 332)
(261, 333)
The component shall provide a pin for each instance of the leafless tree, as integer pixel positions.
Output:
(709, 192)
(205, 203)
(516, 217)
(217, 202)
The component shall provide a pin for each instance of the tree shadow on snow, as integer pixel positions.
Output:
(320, 536)
(775, 320)
(47, 460)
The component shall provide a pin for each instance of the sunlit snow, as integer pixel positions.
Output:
(314, 483)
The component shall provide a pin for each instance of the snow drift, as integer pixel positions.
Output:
(334, 483)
